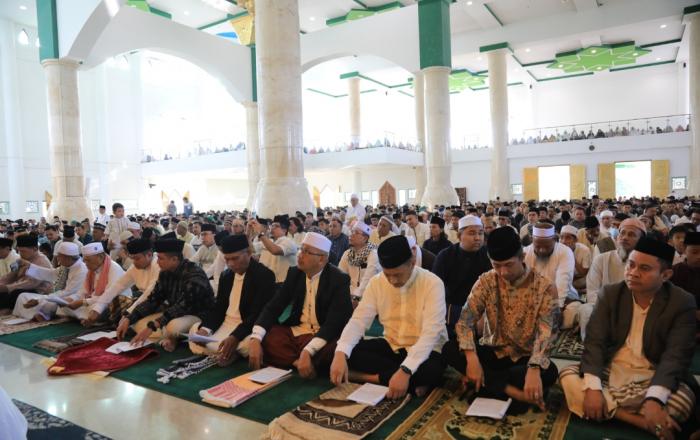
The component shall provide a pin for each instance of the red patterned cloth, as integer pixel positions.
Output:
(92, 357)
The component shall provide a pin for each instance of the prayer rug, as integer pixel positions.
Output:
(60, 343)
(44, 426)
(568, 345)
(92, 357)
(331, 415)
(442, 416)
(6, 329)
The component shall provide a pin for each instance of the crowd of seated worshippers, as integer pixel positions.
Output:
(482, 287)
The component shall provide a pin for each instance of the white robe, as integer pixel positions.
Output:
(94, 303)
(13, 425)
(359, 277)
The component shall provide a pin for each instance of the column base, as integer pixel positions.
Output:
(283, 195)
(71, 208)
(439, 195)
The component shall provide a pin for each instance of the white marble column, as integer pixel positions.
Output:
(283, 188)
(355, 112)
(252, 146)
(11, 154)
(438, 155)
(419, 104)
(357, 182)
(498, 94)
(69, 201)
(694, 92)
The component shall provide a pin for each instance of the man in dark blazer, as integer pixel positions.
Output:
(639, 345)
(318, 294)
(244, 290)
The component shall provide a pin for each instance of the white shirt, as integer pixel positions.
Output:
(206, 256)
(144, 280)
(582, 255)
(13, 425)
(196, 242)
(298, 238)
(607, 268)
(413, 316)
(102, 219)
(421, 232)
(357, 211)
(115, 227)
(279, 264)
(678, 258)
(101, 302)
(376, 240)
(359, 277)
(233, 313)
(558, 267)
(76, 277)
(215, 271)
(8, 261)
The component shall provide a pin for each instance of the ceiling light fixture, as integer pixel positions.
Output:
(23, 37)
(594, 51)
(663, 26)
(470, 3)
(635, 54)
(561, 66)
(37, 43)
(527, 50)
(187, 12)
(478, 58)
(658, 59)
(22, 8)
(312, 18)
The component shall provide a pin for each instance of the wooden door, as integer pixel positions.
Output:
(387, 194)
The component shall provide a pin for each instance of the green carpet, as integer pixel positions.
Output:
(580, 429)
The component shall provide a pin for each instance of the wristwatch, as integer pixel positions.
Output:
(406, 370)
(152, 326)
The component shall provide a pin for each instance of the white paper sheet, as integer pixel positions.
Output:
(97, 335)
(492, 408)
(369, 394)
(269, 374)
(16, 321)
(194, 337)
(122, 347)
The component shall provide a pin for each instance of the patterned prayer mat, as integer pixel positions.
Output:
(10, 329)
(441, 417)
(44, 426)
(60, 343)
(331, 415)
(568, 345)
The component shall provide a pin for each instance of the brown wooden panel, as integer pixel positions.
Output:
(531, 184)
(606, 180)
(660, 178)
(577, 179)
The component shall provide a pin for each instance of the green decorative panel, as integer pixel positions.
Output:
(434, 33)
(48, 29)
(461, 80)
(597, 58)
(358, 14)
(139, 4)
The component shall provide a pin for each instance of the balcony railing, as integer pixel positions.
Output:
(608, 129)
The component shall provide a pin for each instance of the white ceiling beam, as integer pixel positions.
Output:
(570, 24)
(585, 5)
(479, 13)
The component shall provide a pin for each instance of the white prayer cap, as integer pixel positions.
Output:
(314, 239)
(125, 235)
(354, 196)
(134, 226)
(68, 248)
(568, 229)
(411, 241)
(362, 227)
(606, 213)
(543, 232)
(93, 249)
(469, 220)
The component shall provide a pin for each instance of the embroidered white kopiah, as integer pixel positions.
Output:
(543, 232)
(318, 241)
(568, 229)
(469, 220)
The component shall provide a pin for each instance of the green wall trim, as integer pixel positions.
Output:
(330, 95)
(160, 13)
(349, 75)
(658, 63)
(254, 72)
(48, 29)
(434, 33)
(356, 74)
(493, 14)
(476, 89)
(492, 47)
(564, 76)
(691, 9)
(660, 43)
(406, 93)
(223, 20)
(366, 11)
(368, 91)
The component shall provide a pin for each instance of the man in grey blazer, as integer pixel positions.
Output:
(639, 345)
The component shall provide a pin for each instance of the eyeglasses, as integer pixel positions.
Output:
(308, 252)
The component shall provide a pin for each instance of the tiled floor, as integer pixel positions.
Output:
(113, 407)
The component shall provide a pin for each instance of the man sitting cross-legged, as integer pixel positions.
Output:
(67, 280)
(410, 303)
(102, 274)
(639, 345)
(180, 298)
(521, 314)
(244, 290)
(319, 296)
(17, 280)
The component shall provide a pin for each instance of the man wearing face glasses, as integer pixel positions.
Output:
(319, 296)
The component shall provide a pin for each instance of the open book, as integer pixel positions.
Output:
(235, 391)
(491, 408)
